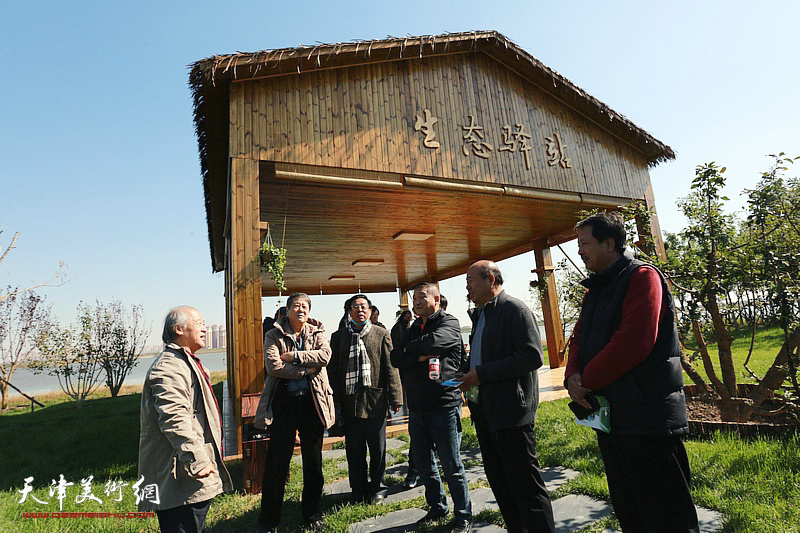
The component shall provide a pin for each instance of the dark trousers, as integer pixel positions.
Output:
(292, 414)
(189, 518)
(512, 469)
(361, 434)
(648, 478)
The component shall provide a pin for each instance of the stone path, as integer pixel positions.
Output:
(572, 512)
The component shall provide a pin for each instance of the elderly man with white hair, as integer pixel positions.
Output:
(180, 440)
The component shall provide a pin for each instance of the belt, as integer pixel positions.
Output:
(298, 393)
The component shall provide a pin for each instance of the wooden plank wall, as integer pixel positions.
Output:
(244, 331)
(363, 118)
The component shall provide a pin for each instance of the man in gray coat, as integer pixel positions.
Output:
(365, 385)
(180, 441)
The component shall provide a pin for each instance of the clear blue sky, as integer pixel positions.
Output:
(98, 158)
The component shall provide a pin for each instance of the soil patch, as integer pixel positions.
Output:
(770, 412)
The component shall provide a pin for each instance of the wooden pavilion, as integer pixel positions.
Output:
(451, 148)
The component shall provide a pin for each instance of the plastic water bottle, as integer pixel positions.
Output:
(434, 369)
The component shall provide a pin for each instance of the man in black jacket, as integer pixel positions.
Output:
(435, 410)
(503, 392)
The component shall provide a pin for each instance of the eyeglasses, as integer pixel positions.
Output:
(359, 307)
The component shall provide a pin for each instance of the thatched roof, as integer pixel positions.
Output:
(210, 78)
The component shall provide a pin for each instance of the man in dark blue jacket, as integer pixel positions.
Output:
(503, 392)
(435, 410)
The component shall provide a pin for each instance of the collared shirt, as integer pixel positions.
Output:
(475, 348)
(208, 382)
(296, 385)
(475, 358)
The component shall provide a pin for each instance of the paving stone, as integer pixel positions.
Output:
(555, 476)
(709, 520)
(337, 487)
(333, 454)
(399, 470)
(400, 492)
(396, 522)
(392, 443)
(482, 499)
(486, 528)
(576, 511)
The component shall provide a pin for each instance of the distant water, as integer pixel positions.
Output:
(31, 384)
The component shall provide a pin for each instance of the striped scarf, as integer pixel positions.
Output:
(359, 370)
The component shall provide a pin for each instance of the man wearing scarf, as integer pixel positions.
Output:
(365, 386)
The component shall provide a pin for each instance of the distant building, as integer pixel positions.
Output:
(214, 336)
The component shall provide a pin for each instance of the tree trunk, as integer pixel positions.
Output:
(724, 342)
(719, 387)
(696, 378)
(731, 410)
(3, 395)
(774, 376)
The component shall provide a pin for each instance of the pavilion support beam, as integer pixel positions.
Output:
(649, 226)
(245, 343)
(549, 297)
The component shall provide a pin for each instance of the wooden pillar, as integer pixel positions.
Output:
(651, 227)
(550, 311)
(245, 343)
(404, 299)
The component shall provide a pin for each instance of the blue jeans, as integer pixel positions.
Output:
(440, 428)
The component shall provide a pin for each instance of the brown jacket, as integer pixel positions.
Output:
(367, 402)
(180, 433)
(311, 363)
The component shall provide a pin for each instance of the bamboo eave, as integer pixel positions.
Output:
(210, 81)
(238, 66)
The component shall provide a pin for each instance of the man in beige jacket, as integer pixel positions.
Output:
(180, 441)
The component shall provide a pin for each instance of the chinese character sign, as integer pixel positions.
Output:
(476, 140)
(425, 125)
(556, 151)
(474, 137)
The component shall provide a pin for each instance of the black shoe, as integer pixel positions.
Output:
(431, 517)
(377, 498)
(462, 526)
(316, 522)
(265, 529)
(411, 482)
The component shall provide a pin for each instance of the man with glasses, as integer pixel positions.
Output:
(365, 385)
(180, 440)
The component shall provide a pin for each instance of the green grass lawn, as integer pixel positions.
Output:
(768, 343)
(755, 483)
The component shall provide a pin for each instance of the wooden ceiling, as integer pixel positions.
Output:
(329, 223)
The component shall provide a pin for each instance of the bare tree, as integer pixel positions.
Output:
(118, 340)
(59, 275)
(67, 354)
(105, 345)
(23, 318)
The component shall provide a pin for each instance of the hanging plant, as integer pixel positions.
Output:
(273, 260)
